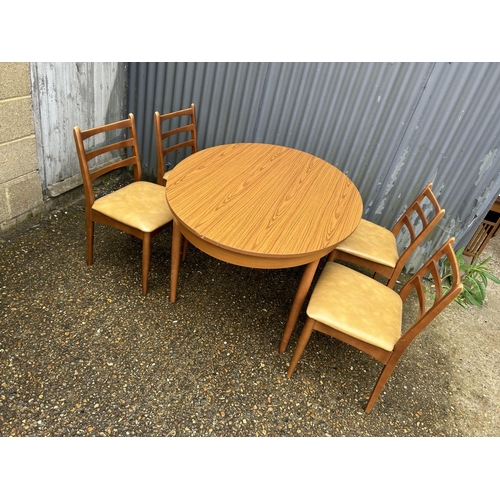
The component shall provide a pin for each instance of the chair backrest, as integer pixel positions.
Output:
(443, 296)
(163, 149)
(103, 154)
(417, 232)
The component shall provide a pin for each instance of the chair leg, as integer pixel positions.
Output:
(146, 257)
(382, 380)
(184, 248)
(174, 260)
(331, 256)
(298, 302)
(301, 344)
(89, 230)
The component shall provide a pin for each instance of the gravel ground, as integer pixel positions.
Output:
(84, 353)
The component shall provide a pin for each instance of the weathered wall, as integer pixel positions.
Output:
(20, 186)
(66, 94)
(40, 103)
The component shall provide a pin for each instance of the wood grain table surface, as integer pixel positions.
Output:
(262, 206)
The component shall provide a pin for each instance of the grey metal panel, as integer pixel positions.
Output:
(453, 141)
(344, 113)
(226, 95)
(391, 127)
(318, 107)
(69, 94)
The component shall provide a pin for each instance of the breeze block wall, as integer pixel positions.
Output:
(20, 184)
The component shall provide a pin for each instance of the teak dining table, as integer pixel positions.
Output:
(262, 206)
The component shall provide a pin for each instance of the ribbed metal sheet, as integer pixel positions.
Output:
(227, 97)
(452, 140)
(391, 127)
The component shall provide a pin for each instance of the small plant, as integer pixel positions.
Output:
(475, 278)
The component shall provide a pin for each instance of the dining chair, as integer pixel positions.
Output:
(138, 208)
(376, 248)
(183, 127)
(366, 314)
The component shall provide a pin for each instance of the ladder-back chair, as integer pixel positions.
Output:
(368, 315)
(164, 144)
(138, 208)
(376, 248)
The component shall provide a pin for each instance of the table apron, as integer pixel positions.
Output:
(248, 260)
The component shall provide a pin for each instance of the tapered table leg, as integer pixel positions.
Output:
(298, 302)
(176, 257)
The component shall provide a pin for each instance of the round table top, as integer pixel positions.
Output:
(263, 200)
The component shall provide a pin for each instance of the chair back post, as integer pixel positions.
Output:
(135, 149)
(160, 160)
(415, 239)
(88, 189)
(195, 128)
(441, 301)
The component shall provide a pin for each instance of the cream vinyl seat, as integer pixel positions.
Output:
(373, 243)
(364, 310)
(137, 205)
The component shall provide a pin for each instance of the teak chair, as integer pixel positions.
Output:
(366, 314)
(139, 208)
(375, 247)
(163, 149)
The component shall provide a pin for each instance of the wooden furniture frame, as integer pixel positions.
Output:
(139, 208)
(360, 248)
(263, 206)
(486, 230)
(163, 149)
(383, 308)
(162, 136)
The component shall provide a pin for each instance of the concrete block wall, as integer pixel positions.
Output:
(20, 183)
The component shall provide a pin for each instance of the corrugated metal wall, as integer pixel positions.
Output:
(391, 127)
(452, 140)
(69, 94)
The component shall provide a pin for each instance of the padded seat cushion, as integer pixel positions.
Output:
(371, 242)
(357, 305)
(140, 204)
